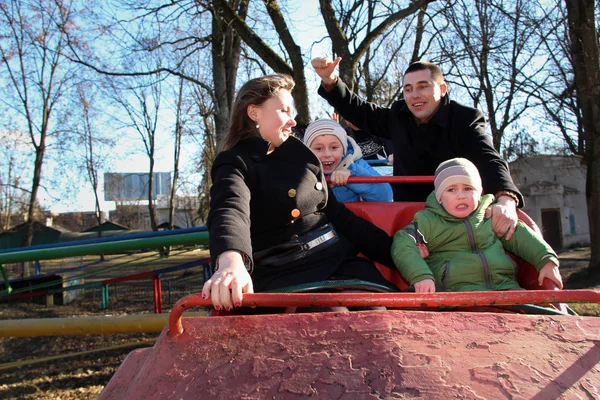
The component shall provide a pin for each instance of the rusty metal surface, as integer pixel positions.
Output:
(368, 355)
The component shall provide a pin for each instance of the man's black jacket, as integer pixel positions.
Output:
(454, 131)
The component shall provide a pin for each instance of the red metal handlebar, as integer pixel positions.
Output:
(407, 299)
(390, 179)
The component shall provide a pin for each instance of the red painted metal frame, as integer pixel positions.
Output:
(399, 300)
(157, 294)
(390, 179)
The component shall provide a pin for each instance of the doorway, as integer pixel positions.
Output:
(552, 227)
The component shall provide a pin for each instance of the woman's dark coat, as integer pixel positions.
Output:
(254, 199)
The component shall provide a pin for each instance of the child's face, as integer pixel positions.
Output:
(460, 200)
(329, 151)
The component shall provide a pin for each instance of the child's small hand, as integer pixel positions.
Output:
(340, 178)
(423, 250)
(425, 286)
(550, 271)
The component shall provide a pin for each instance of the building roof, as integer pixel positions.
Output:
(107, 226)
(38, 227)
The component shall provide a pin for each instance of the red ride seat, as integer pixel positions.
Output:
(391, 217)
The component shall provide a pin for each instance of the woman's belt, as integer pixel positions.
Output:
(297, 248)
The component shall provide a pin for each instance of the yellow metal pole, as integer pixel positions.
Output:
(87, 325)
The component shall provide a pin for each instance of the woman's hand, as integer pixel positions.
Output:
(550, 271)
(229, 282)
(425, 286)
(339, 178)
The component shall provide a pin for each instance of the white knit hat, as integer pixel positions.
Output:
(325, 126)
(453, 171)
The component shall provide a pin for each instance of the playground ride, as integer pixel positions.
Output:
(414, 349)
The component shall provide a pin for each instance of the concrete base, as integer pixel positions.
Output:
(368, 355)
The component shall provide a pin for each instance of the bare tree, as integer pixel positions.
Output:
(489, 49)
(140, 101)
(176, 152)
(194, 43)
(176, 33)
(32, 45)
(293, 66)
(338, 23)
(93, 146)
(208, 139)
(226, 48)
(13, 196)
(553, 87)
(379, 74)
(585, 51)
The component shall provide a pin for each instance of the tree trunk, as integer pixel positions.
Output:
(586, 69)
(234, 18)
(37, 175)
(151, 205)
(226, 49)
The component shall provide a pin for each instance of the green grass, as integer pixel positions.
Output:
(587, 309)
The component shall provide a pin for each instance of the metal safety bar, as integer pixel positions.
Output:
(390, 179)
(400, 300)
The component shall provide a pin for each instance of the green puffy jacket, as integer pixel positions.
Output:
(464, 253)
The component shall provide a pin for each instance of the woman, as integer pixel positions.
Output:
(273, 220)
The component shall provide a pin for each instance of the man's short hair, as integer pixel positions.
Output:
(436, 72)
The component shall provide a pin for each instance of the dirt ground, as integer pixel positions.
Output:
(84, 376)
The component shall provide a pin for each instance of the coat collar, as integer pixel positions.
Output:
(257, 147)
(479, 214)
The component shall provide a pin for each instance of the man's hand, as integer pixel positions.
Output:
(425, 286)
(423, 250)
(325, 68)
(340, 178)
(504, 216)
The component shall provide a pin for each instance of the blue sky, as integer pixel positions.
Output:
(307, 26)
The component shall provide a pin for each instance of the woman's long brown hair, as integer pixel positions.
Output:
(254, 92)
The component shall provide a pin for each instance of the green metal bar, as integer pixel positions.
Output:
(104, 270)
(6, 281)
(104, 299)
(188, 239)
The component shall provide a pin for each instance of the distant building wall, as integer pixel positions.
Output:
(555, 183)
(78, 221)
(134, 186)
(186, 212)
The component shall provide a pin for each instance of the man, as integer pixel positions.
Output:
(427, 128)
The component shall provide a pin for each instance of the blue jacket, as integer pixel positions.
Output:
(362, 191)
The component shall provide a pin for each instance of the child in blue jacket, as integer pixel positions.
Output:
(341, 158)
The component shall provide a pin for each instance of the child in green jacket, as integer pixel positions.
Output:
(450, 246)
